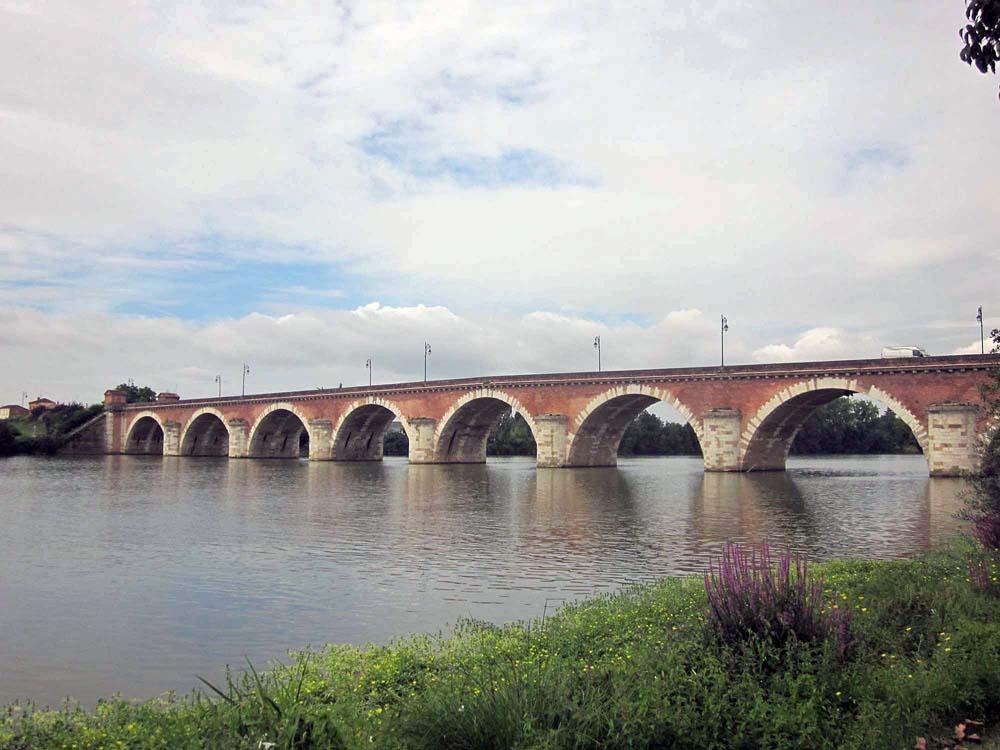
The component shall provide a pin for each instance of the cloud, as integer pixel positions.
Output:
(320, 348)
(181, 168)
(814, 344)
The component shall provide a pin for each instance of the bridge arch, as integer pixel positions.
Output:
(596, 432)
(145, 434)
(464, 429)
(359, 434)
(205, 434)
(767, 437)
(278, 432)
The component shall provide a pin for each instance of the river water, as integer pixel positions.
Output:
(135, 574)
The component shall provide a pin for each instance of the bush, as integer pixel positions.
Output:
(752, 597)
(982, 507)
(8, 439)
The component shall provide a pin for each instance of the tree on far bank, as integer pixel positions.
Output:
(982, 508)
(847, 425)
(134, 394)
(981, 35)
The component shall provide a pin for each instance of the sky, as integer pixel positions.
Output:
(304, 186)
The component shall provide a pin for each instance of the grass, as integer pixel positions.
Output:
(641, 669)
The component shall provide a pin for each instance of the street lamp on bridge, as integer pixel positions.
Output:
(722, 335)
(218, 379)
(597, 345)
(427, 351)
(246, 371)
(982, 332)
(368, 366)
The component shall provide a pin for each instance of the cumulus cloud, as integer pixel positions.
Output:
(471, 164)
(817, 344)
(318, 348)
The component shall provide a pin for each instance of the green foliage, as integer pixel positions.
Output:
(981, 35)
(648, 435)
(633, 670)
(43, 431)
(983, 504)
(846, 425)
(396, 444)
(511, 437)
(135, 394)
(7, 439)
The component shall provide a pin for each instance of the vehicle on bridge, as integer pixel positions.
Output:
(902, 352)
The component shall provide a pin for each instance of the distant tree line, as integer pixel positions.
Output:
(849, 425)
(648, 435)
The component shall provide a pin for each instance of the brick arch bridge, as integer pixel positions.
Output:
(745, 416)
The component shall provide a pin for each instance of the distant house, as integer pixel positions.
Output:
(395, 426)
(11, 411)
(44, 403)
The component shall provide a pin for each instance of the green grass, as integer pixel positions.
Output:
(634, 670)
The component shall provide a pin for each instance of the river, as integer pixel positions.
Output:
(135, 574)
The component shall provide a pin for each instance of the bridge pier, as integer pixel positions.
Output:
(320, 440)
(171, 438)
(422, 448)
(551, 440)
(953, 448)
(239, 438)
(721, 446)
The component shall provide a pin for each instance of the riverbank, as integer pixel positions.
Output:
(636, 669)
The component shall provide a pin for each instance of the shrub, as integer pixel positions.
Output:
(7, 439)
(982, 507)
(983, 574)
(750, 596)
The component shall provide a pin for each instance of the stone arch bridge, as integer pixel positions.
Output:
(745, 416)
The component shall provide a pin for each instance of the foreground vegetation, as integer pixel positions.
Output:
(648, 668)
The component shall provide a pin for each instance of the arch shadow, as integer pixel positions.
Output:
(598, 429)
(145, 435)
(464, 430)
(205, 434)
(360, 433)
(279, 432)
(767, 438)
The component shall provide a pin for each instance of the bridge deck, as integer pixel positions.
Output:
(838, 368)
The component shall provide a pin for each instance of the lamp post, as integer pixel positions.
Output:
(982, 332)
(368, 366)
(218, 379)
(724, 326)
(427, 351)
(246, 371)
(597, 345)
